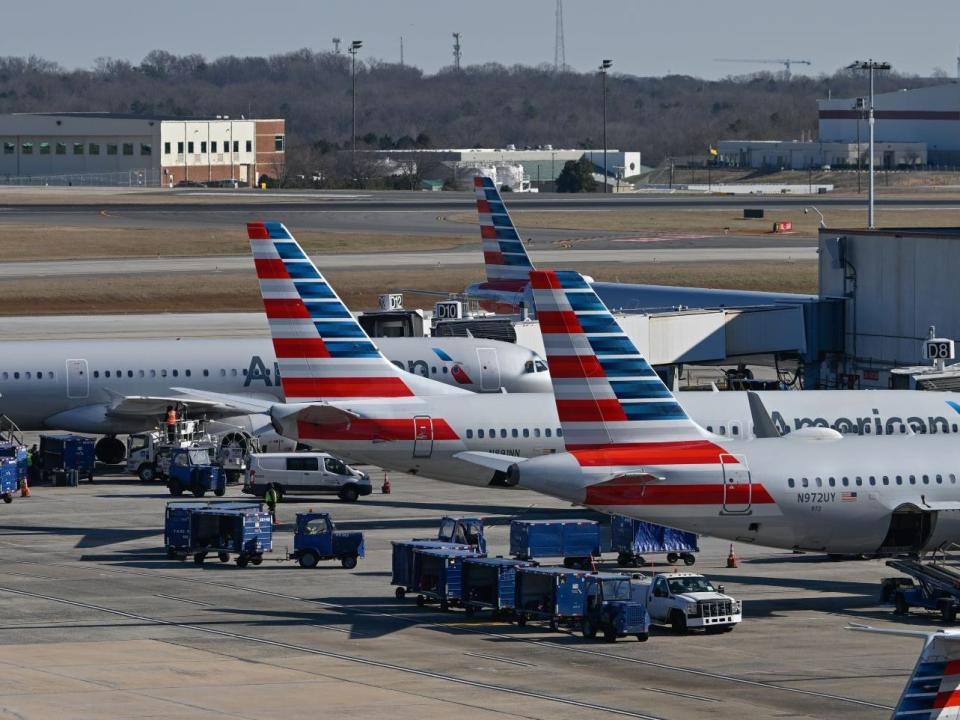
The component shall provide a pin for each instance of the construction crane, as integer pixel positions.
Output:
(775, 61)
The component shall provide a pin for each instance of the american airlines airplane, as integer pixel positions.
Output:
(508, 267)
(123, 386)
(631, 449)
(344, 396)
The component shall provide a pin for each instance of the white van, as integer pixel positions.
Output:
(304, 472)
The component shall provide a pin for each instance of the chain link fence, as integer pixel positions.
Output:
(145, 177)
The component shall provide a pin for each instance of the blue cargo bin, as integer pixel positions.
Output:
(62, 456)
(490, 584)
(576, 541)
(437, 574)
(17, 452)
(224, 529)
(631, 539)
(554, 594)
(9, 480)
(402, 562)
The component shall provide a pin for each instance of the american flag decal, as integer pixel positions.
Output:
(848, 497)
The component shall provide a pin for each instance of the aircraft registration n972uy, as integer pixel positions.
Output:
(631, 449)
(345, 397)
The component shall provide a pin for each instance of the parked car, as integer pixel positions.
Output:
(311, 472)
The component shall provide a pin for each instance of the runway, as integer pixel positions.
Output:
(543, 258)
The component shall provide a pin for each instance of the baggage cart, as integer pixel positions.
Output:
(227, 529)
(402, 562)
(9, 479)
(12, 450)
(60, 454)
(552, 594)
(490, 584)
(438, 574)
(631, 539)
(576, 541)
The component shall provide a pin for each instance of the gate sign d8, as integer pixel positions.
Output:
(938, 349)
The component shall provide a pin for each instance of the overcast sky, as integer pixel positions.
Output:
(642, 38)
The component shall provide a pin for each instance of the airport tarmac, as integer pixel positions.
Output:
(99, 623)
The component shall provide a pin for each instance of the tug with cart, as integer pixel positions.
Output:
(225, 529)
(190, 469)
(316, 538)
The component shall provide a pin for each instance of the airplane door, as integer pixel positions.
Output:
(489, 369)
(422, 436)
(737, 490)
(78, 379)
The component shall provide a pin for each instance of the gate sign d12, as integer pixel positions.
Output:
(391, 302)
(450, 310)
(938, 349)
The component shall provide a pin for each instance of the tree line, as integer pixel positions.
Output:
(400, 106)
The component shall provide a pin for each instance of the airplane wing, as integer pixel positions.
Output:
(131, 406)
(492, 461)
(237, 404)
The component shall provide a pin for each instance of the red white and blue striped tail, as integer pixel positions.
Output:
(507, 263)
(933, 690)
(322, 351)
(606, 392)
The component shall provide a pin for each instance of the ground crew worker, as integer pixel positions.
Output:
(171, 422)
(270, 498)
(33, 465)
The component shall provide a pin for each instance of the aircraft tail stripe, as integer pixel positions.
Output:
(561, 322)
(271, 269)
(338, 387)
(575, 366)
(367, 429)
(295, 348)
(257, 231)
(589, 410)
(285, 309)
(641, 491)
(682, 452)
(493, 257)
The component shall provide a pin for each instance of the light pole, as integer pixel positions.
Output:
(872, 66)
(604, 66)
(858, 106)
(353, 49)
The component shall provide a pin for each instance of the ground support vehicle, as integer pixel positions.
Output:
(932, 586)
(148, 453)
(225, 529)
(9, 479)
(461, 531)
(15, 451)
(316, 538)
(304, 472)
(438, 575)
(402, 564)
(631, 539)
(612, 610)
(65, 454)
(576, 541)
(687, 600)
(490, 584)
(190, 470)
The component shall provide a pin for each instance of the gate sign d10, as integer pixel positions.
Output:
(938, 349)
(449, 310)
(391, 302)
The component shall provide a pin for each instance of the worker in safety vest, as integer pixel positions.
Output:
(270, 498)
(171, 423)
(33, 465)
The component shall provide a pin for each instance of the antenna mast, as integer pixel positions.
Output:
(560, 52)
(401, 51)
(336, 45)
(456, 51)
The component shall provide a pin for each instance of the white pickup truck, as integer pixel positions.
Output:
(687, 600)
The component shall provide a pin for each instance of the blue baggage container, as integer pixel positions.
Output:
(402, 561)
(490, 584)
(14, 451)
(576, 541)
(631, 538)
(199, 529)
(9, 479)
(437, 574)
(550, 593)
(62, 453)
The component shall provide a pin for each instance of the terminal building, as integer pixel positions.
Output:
(816, 155)
(153, 150)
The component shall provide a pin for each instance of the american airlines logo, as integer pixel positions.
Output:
(873, 425)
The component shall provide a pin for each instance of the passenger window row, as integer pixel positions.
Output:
(50, 375)
(872, 480)
(493, 433)
(28, 375)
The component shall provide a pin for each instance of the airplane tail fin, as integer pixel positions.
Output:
(933, 690)
(507, 264)
(322, 351)
(606, 392)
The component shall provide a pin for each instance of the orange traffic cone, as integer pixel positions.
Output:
(732, 558)
(24, 488)
(385, 488)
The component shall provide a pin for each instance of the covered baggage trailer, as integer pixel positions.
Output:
(438, 574)
(11, 450)
(556, 595)
(576, 541)
(9, 479)
(63, 453)
(402, 565)
(225, 529)
(490, 584)
(631, 539)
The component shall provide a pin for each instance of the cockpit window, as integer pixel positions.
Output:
(540, 365)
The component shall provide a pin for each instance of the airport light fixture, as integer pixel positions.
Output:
(353, 50)
(872, 66)
(604, 67)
